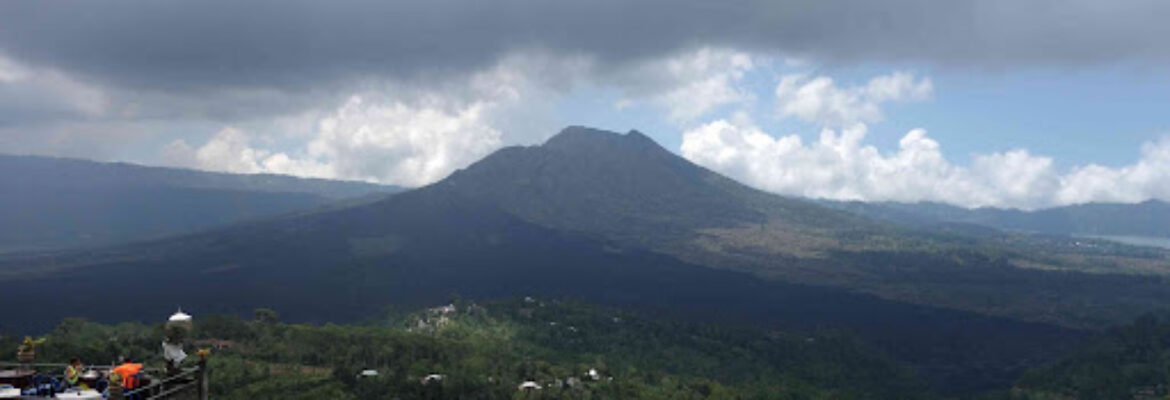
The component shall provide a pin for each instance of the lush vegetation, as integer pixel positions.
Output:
(487, 351)
(1127, 362)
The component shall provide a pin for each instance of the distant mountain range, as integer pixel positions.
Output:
(48, 203)
(617, 219)
(1150, 218)
(585, 189)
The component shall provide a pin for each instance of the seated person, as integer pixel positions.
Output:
(73, 372)
(129, 372)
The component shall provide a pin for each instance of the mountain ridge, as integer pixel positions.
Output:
(626, 193)
(34, 168)
(53, 203)
(1147, 218)
(598, 182)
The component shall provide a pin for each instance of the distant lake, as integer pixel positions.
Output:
(1151, 241)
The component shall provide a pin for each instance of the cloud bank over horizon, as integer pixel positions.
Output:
(294, 43)
(374, 91)
(839, 165)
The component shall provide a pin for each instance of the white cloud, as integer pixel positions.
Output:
(27, 90)
(394, 143)
(230, 150)
(840, 166)
(820, 100)
(689, 85)
(11, 71)
(411, 136)
(415, 137)
(402, 144)
(1147, 178)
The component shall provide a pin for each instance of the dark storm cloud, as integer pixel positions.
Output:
(208, 44)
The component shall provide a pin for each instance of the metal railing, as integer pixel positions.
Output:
(185, 380)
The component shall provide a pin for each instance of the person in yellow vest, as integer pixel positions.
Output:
(73, 372)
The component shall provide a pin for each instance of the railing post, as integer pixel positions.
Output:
(203, 383)
(156, 387)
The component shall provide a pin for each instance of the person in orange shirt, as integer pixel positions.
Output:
(128, 371)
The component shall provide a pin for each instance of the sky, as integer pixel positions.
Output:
(992, 103)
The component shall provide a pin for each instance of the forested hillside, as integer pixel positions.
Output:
(1127, 362)
(484, 352)
(627, 189)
